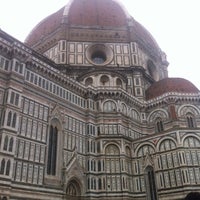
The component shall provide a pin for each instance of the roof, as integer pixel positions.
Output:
(179, 85)
(94, 15)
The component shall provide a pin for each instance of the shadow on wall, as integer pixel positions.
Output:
(193, 196)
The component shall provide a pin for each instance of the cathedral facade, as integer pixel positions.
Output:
(87, 111)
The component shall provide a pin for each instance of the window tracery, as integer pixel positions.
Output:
(52, 151)
(190, 120)
(109, 106)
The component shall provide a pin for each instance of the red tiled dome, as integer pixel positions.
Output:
(166, 85)
(96, 13)
(91, 14)
(45, 27)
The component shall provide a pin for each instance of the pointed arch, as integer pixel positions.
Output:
(184, 109)
(10, 148)
(159, 125)
(53, 153)
(119, 82)
(8, 168)
(160, 113)
(190, 118)
(150, 183)
(9, 119)
(14, 120)
(73, 189)
(134, 115)
(5, 145)
(2, 168)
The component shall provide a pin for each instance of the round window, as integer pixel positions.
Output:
(99, 54)
(98, 57)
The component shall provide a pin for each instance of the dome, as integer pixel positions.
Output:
(108, 17)
(103, 13)
(166, 85)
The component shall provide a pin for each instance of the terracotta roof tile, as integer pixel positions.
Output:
(166, 85)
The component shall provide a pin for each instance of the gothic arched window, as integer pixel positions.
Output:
(119, 82)
(52, 151)
(10, 148)
(5, 146)
(191, 142)
(14, 120)
(8, 168)
(151, 184)
(2, 166)
(159, 125)
(73, 188)
(9, 118)
(134, 115)
(190, 120)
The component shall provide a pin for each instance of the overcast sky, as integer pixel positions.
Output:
(175, 24)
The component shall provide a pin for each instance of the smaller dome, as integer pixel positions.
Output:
(166, 85)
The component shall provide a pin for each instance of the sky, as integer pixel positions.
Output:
(175, 24)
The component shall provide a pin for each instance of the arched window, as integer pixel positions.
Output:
(159, 125)
(167, 145)
(190, 120)
(73, 188)
(5, 146)
(8, 168)
(119, 82)
(10, 145)
(2, 166)
(134, 115)
(112, 150)
(12, 97)
(109, 106)
(191, 142)
(151, 184)
(104, 80)
(89, 81)
(143, 150)
(52, 151)
(9, 118)
(14, 120)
